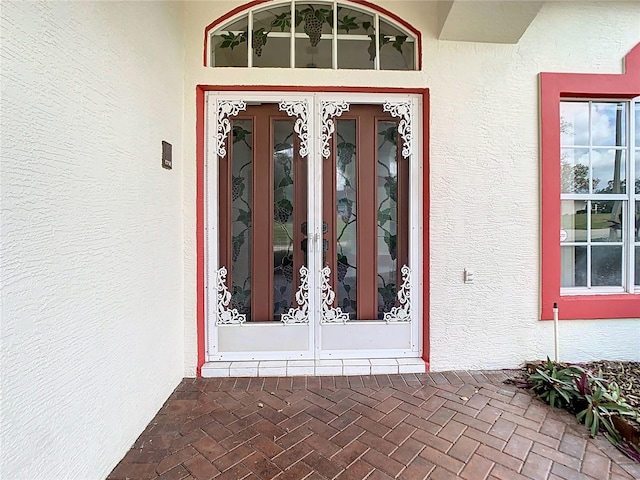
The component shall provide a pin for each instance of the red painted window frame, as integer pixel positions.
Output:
(201, 189)
(553, 88)
(247, 6)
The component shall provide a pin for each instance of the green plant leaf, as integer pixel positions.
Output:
(244, 216)
(620, 408)
(564, 394)
(606, 423)
(300, 15)
(239, 134)
(238, 241)
(282, 21)
(388, 292)
(588, 421)
(384, 216)
(390, 135)
(391, 188)
(286, 181)
(231, 40)
(347, 23)
(399, 41)
(391, 241)
(550, 366)
(325, 14)
(595, 426)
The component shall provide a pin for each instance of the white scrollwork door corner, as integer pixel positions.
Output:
(402, 312)
(300, 314)
(403, 111)
(329, 110)
(300, 110)
(226, 109)
(330, 314)
(226, 315)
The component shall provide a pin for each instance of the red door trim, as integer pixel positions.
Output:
(200, 197)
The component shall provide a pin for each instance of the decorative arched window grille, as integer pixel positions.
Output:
(319, 34)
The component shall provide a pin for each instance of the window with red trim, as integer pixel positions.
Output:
(591, 193)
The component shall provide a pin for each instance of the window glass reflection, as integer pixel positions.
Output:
(608, 124)
(637, 181)
(574, 123)
(573, 266)
(607, 221)
(606, 266)
(608, 171)
(573, 221)
(637, 122)
(574, 168)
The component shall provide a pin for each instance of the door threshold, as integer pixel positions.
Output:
(293, 368)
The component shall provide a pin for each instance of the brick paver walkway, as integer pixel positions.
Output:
(412, 426)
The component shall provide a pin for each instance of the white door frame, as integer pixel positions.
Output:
(315, 339)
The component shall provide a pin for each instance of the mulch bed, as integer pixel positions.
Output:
(625, 374)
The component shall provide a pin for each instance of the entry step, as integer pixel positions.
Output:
(292, 368)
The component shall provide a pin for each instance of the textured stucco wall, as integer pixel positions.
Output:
(92, 274)
(484, 174)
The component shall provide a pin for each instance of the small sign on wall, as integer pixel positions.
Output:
(166, 155)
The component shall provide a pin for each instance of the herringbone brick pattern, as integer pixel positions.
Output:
(413, 426)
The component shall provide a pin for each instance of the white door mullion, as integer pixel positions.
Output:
(589, 244)
(315, 206)
(314, 190)
(334, 39)
(633, 197)
(292, 58)
(376, 22)
(250, 39)
(211, 225)
(415, 213)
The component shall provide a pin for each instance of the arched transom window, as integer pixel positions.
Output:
(321, 34)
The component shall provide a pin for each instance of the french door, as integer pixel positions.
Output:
(313, 226)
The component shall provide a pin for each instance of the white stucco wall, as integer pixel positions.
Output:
(484, 174)
(92, 252)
